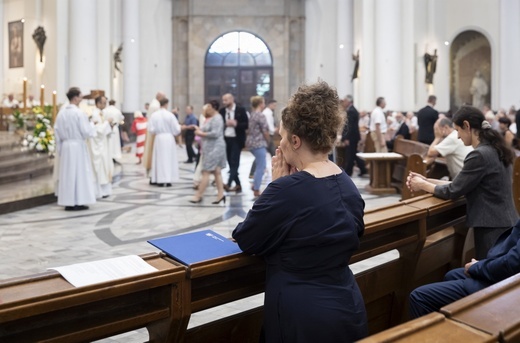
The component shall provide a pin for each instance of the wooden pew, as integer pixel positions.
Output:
(446, 234)
(431, 328)
(45, 307)
(414, 153)
(494, 310)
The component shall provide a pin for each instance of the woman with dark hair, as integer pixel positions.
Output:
(306, 225)
(503, 124)
(485, 180)
(213, 151)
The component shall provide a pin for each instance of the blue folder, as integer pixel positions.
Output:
(195, 247)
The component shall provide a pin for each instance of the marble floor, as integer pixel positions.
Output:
(47, 236)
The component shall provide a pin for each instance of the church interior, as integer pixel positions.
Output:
(465, 52)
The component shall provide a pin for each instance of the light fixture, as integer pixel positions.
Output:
(446, 43)
(341, 46)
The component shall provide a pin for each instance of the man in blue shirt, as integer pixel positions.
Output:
(189, 136)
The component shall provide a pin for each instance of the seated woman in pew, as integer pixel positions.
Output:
(485, 180)
(306, 225)
(503, 261)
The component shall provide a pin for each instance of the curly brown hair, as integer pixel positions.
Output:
(313, 114)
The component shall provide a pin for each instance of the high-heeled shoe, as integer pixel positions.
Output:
(195, 201)
(219, 200)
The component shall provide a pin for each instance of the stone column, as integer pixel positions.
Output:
(130, 33)
(345, 47)
(83, 45)
(388, 52)
(367, 48)
(104, 57)
(509, 69)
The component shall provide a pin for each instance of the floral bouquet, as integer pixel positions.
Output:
(42, 138)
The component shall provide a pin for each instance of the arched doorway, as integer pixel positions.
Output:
(239, 63)
(470, 55)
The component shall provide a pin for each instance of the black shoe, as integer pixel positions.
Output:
(153, 183)
(188, 161)
(105, 196)
(195, 201)
(76, 208)
(168, 185)
(219, 200)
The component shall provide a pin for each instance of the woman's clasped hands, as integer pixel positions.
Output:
(279, 166)
(415, 181)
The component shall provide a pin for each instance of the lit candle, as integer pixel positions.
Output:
(42, 98)
(24, 93)
(53, 107)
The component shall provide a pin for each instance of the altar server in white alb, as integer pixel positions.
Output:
(76, 180)
(114, 115)
(99, 150)
(164, 125)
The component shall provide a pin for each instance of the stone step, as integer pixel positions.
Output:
(43, 166)
(8, 154)
(21, 161)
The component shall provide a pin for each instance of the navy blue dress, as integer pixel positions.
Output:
(307, 229)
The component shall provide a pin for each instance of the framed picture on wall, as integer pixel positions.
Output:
(15, 29)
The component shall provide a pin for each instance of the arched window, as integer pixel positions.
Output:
(239, 63)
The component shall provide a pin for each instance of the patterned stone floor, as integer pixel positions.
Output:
(39, 238)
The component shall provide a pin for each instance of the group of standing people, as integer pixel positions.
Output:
(86, 150)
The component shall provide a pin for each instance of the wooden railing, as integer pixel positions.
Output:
(48, 308)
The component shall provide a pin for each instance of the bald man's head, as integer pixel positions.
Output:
(228, 100)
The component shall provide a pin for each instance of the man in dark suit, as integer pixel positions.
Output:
(235, 126)
(402, 131)
(426, 118)
(351, 138)
(503, 261)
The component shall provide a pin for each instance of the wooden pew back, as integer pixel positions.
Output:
(46, 307)
(414, 152)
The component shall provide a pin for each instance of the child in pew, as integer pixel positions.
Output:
(503, 261)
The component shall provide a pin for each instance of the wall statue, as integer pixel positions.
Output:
(430, 63)
(40, 38)
(355, 58)
(479, 90)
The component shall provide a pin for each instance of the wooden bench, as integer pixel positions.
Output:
(45, 307)
(431, 328)
(494, 310)
(446, 234)
(414, 153)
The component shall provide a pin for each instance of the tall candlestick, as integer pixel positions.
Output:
(54, 107)
(24, 93)
(42, 98)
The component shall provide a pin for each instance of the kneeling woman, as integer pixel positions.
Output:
(306, 225)
(485, 180)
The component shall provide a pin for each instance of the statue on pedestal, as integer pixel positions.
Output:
(479, 90)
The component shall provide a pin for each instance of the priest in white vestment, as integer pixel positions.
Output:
(165, 126)
(99, 150)
(114, 115)
(76, 179)
(148, 145)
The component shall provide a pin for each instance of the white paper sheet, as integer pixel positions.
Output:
(89, 273)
